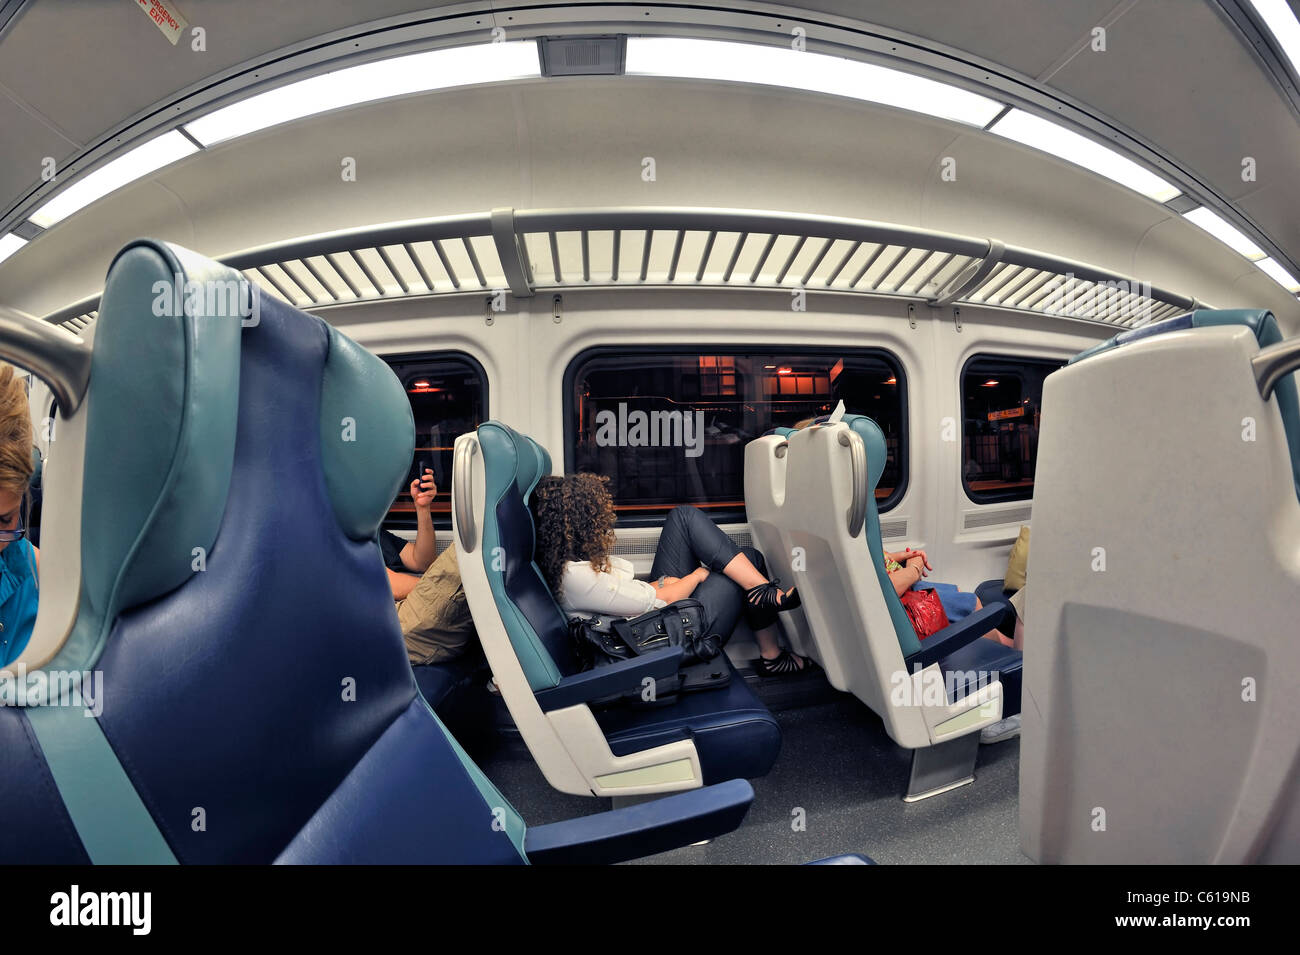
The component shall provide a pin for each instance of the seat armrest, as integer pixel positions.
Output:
(610, 680)
(955, 636)
(641, 830)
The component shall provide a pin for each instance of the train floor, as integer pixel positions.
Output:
(836, 788)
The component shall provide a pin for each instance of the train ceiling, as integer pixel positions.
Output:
(1195, 91)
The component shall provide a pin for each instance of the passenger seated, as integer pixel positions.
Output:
(19, 560)
(431, 607)
(574, 519)
(906, 571)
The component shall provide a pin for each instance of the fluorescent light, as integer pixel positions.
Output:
(1072, 147)
(1225, 233)
(418, 73)
(1281, 22)
(816, 72)
(1279, 275)
(9, 244)
(129, 167)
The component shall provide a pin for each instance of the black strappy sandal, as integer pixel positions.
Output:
(768, 597)
(787, 664)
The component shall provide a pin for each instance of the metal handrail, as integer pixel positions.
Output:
(1274, 363)
(461, 498)
(53, 354)
(857, 512)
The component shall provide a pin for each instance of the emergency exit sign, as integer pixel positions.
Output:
(165, 17)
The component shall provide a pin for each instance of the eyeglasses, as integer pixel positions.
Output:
(15, 533)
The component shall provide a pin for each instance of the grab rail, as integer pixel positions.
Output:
(461, 495)
(1274, 363)
(53, 354)
(857, 512)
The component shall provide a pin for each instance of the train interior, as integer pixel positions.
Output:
(849, 278)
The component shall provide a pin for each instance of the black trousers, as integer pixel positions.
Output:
(689, 539)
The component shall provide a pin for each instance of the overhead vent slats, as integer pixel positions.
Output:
(535, 250)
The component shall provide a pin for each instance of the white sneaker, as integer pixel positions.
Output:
(1008, 728)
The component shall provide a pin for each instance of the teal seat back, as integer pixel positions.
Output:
(538, 630)
(873, 440)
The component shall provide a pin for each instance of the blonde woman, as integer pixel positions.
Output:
(19, 560)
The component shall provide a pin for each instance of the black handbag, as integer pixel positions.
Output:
(680, 624)
(600, 641)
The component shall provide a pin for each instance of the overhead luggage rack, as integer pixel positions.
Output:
(526, 252)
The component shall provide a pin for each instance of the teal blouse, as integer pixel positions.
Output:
(18, 596)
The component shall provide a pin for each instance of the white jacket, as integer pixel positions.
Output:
(616, 593)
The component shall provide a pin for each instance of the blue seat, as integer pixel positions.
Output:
(705, 736)
(255, 707)
(733, 732)
(437, 681)
(37, 827)
(995, 591)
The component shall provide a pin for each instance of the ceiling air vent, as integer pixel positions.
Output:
(582, 55)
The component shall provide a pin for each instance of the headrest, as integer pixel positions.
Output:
(506, 452)
(538, 630)
(367, 435)
(1259, 321)
(531, 473)
(873, 440)
(161, 409)
(1266, 331)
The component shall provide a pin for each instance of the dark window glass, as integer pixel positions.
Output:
(448, 395)
(1001, 398)
(671, 427)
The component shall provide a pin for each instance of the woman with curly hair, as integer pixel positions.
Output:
(19, 560)
(574, 520)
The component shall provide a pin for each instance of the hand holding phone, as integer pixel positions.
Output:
(424, 488)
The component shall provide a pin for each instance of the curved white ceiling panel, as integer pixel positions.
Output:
(1173, 83)
(583, 142)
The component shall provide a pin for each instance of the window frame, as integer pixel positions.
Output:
(732, 516)
(1015, 494)
(439, 523)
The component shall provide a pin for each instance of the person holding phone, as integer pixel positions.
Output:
(431, 606)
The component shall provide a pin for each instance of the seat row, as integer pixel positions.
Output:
(810, 498)
(199, 692)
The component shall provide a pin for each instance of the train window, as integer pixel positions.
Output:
(670, 426)
(1001, 398)
(448, 395)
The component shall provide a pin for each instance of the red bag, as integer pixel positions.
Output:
(925, 610)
